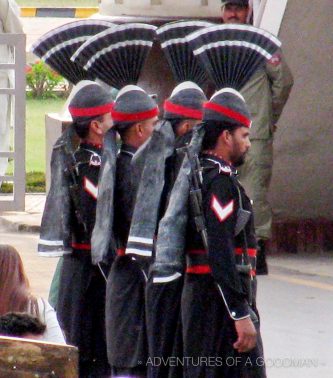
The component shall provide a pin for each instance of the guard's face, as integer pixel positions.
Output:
(240, 144)
(147, 128)
(106, 123)
(186, 126)
(234, 14)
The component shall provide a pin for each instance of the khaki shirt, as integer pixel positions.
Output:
(266, 94)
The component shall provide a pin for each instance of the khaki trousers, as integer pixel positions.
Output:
(255, 175)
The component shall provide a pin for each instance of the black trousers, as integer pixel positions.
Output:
(125, 317)
(164, 328)
(209, 334)
(81, 312)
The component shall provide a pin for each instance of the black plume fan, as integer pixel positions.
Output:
(57, 46)
(117, 55)
(231, 53)
(185, 66)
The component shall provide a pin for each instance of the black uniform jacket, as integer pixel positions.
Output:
(88, 159)
(124, 196)
(222, 194)
(81, 299)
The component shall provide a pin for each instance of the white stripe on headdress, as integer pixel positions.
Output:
(185, 85)
(252, 46)
(129, 88)
(118, 45)
(235, 27)
(65, 27)
(174, 41)
(202, 24)
(60, 46)
(228, 90)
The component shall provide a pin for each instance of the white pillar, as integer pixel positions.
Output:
(272, 15)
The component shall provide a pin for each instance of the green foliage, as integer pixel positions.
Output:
(35, 183)
(35, 130)
(6, 187)
(42, 81)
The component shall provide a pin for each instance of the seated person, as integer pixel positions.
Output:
(23, 325)
(16, 295)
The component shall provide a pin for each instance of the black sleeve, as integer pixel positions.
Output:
(221, 205)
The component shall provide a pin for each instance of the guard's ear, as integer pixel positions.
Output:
(139, 129)
(95, 126)
(187, 126)
(183, 127)
(226, 137)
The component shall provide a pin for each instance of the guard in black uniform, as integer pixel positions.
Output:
(219, 314)
(184, 110)
(135, 114)
(81, 300)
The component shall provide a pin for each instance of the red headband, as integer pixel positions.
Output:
(134, 117)
(182, 110)
(89, 112)
(229, 113)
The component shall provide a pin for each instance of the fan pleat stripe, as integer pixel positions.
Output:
(118, 45)
(117, 55)
(184, 65)
(231, 54)
(57, 46)
(251, 46)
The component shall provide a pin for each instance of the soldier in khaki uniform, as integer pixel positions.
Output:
(265, 95)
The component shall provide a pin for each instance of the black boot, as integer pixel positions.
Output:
(262, 268)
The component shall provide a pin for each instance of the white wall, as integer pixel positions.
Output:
(163, 8)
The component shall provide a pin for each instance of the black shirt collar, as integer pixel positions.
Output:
(217, 160)
(126, 148)
(92, 147)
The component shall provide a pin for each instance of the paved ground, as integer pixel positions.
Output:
(297, 324)
(28, 220)
(38, 269)
(295, 307)
(295, 300)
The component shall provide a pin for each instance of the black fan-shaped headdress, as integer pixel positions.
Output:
(58, 45)
(117, 55)
(184, 65)
(231, 53)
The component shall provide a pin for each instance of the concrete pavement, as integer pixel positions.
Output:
(28, 220)
(314, 264)
(294, 299)
(295, 310)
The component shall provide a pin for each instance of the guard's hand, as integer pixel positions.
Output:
(247, 335)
